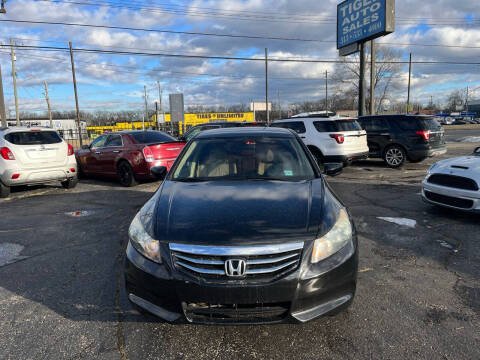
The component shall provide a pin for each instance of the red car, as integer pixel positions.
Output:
(128, 155)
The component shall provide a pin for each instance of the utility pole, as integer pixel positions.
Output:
(266, 87)
(14, 75)
(326, 92)
(48, 104)
(156, 116)
(409, 82)
(279, 106)
(3, 114)
(361, 87)
(372, 77)
(160, 100)
(146, 105)
(79, 129)
(466, 101)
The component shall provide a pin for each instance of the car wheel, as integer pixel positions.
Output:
(4, 191)
(126, 174)
(394, 156)
(70, 183)
(317, 155)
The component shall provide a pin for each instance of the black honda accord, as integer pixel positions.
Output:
(244, 229)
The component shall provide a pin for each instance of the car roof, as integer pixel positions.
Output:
(245, 131)
(10, 129)
(311, 118)
(398, 115)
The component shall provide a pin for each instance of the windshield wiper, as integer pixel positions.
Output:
(190, 179)
(264, 178)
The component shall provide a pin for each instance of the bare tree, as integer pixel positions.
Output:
(386, 70)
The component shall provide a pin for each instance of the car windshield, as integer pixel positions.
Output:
(33, 137)
(151, 137)
(244, 158)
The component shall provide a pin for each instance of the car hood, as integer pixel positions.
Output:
(239, 212)
(462, 166)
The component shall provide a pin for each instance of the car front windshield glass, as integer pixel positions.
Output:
(244, 158)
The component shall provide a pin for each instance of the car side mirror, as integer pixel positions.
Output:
(477, 150)
(85, 147)
(332, 169)
(159, 172)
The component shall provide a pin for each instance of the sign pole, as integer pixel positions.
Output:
(361, 84)
(372, 77)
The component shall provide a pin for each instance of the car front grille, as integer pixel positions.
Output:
(458, 182)
(235, 313)
(262, 262)
(449, 200)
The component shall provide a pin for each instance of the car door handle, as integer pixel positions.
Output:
(116, 151)
(303, 137)
(97, 152)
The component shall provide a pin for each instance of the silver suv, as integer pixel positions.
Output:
(31, 156)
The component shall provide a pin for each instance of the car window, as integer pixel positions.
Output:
(325, 126)
(99, 142)
(244, 158)
(427, 123)
(407, 123)
(33, 137)
(338, 125)
(151, 137)
(372, 124)
(192, 133)
(113, 140)
(297, 126)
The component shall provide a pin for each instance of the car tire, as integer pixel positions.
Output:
(126, 174)
(4, 191)
(317, 154)
(70, 183)
(394, 156)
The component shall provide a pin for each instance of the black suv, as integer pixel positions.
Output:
(396, 138)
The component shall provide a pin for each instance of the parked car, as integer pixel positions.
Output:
(330, 138)
(397, 138)
(32, 156)
(214, 125)
(129, 155)
(244, 229)
(454, 183)
(460, 121)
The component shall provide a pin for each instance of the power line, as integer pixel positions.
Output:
(220, 57)
(160, 31)
(246, 16)
(208, 34)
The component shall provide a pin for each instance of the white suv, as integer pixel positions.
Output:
(329, 137)
(31, 156)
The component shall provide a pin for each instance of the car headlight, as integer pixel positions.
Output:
(142, 241)
(333, 241)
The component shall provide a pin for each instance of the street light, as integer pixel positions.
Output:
(2, 9)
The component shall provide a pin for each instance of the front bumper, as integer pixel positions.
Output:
(305, 294)
(38, 176)
(459, 199)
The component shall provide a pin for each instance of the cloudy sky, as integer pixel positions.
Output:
(111, 81)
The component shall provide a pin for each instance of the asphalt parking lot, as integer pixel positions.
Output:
(418, 294)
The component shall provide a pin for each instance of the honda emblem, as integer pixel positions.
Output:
(235, 267)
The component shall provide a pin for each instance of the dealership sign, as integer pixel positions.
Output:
(362, 20)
